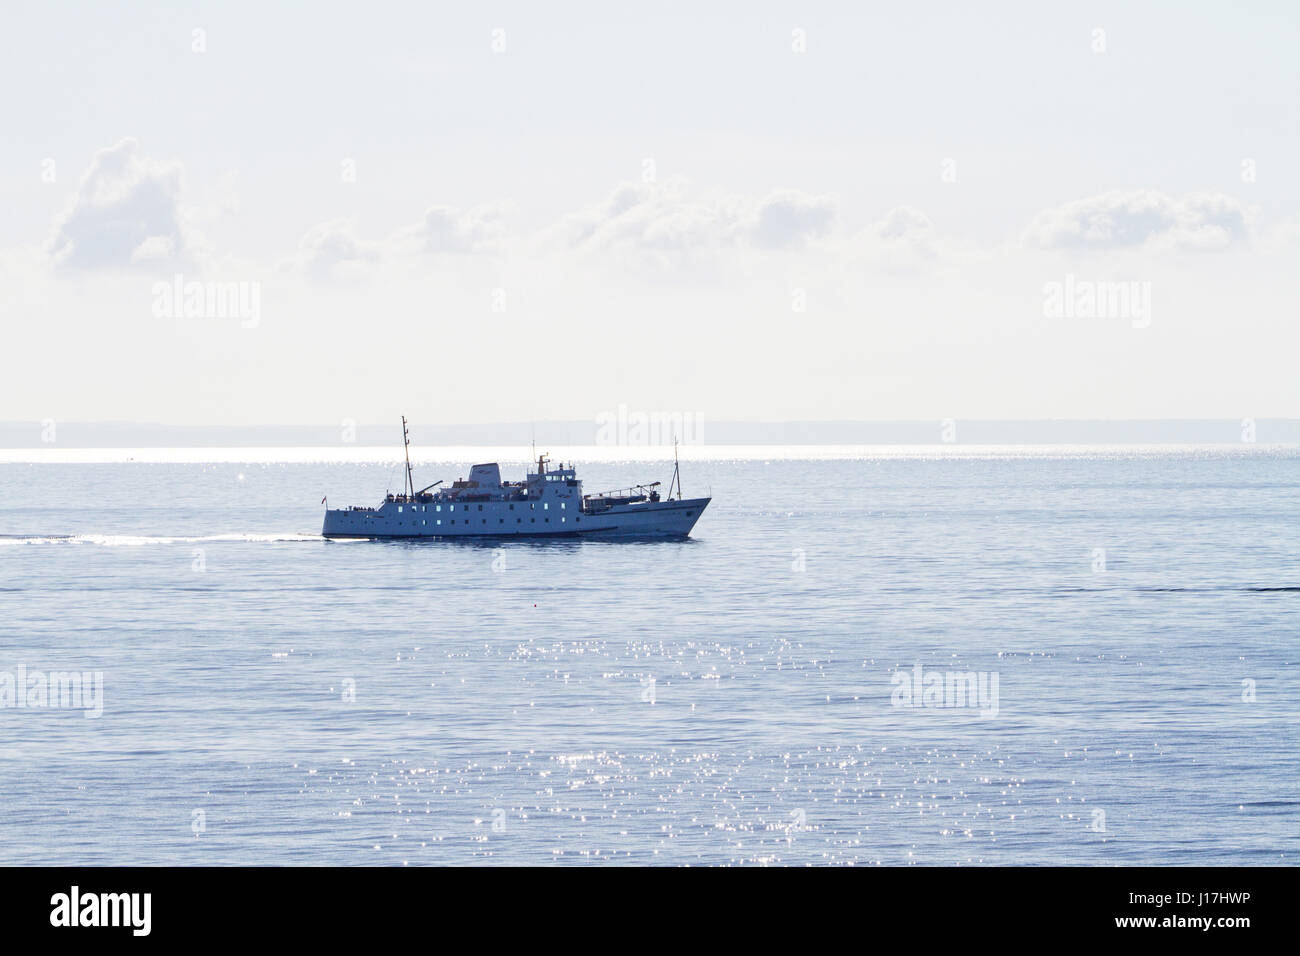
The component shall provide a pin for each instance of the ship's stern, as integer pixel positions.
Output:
(346, 523)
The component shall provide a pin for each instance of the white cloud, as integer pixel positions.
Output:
(648, 228)
(903, 241)
(647, 216)
(126, 212)
(444, 230)
(333, 247)
(667, 217)
(788, 217)
(649, 222)
(1197, 221)
(903, 222)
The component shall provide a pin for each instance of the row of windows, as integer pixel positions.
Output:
(438, 521)
(546, 506)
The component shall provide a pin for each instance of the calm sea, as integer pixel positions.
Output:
(912, 658)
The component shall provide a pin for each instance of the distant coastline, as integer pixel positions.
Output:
(36, 435)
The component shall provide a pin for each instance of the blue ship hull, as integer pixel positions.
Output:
(505, 519)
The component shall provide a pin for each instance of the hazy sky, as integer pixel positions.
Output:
(497, 212)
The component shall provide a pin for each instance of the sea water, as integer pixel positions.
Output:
(993, 657)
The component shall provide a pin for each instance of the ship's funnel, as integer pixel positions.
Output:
(485, 476)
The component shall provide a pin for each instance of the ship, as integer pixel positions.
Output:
(548, 503)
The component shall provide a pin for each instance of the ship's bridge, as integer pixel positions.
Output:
(554, 474)
(561, 481)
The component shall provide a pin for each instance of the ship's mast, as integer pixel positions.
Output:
(677, 475)
(406, 441)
